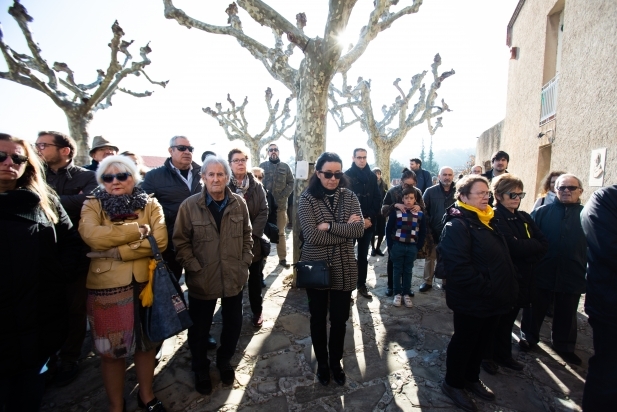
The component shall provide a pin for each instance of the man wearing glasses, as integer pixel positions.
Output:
(101, 148)
(279, 180)
(561, 272)
(72, 184)
(364, 185)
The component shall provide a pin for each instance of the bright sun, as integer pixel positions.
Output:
(346, 38)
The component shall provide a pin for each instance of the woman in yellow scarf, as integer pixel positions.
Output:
(482, 286)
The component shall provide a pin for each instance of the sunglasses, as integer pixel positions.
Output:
(273, 150)
(515, 195)
(184, 148)
(17, 159)
(329, 175)
(569, 188)
(120, 176)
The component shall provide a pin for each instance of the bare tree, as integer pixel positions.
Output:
(323, 58)
(234, 123)
(33, 71)
(351, 105)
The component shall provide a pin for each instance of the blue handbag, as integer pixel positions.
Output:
(169, 313)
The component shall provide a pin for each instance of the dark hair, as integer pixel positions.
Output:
(359, 149)
(232, 152)
(505, 183)
(406, 174)
(500, 155)
(62, 140)
(409, 191)
(546, 184)
(415, 159)
(464, 185)
(272, 144)
(206, 154)
(315, 188)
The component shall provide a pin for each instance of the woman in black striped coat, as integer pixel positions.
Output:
(331, 219)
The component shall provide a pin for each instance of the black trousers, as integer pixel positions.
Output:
(563, 334)
(22, 390)
(169, 256)
(363, 244)
(75, 295)
(201, 312)
(338, 303)
(500, 346)
(600, 392)
(466, 348)
(390, 271)
(255, 277)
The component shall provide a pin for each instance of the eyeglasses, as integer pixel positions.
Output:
(273, 150)
(239, 161)
(483, 194)
(329, 175)
(120, 176)
(515, 195)
(42, 146)
(184, 148)
(17, 159)
(361, 157)
(569, 188)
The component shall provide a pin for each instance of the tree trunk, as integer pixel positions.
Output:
(382, 160)
(255, 160)
(78, 129)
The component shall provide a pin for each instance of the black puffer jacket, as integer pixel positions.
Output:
(255, 198)
(481, 277)
(527, 247)
(170, 190)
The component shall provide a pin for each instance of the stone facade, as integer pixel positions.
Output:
(575, 40)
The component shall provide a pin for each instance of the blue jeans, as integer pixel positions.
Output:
(403, 255)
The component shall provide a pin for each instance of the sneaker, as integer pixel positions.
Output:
(258, 320)
(227, 372)
(67, 372)
(408, 302)
(284, 263)
(397, 301)
(364, 292)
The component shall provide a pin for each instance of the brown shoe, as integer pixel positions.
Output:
(258, 320)
(480, 389)
(459, 397)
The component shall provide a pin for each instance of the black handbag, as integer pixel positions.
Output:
(315, 274)
(169, 313)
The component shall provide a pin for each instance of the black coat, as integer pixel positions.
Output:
(424, 179)
(72, 184)
(527, 246)
(481, 277)
(436, 201)
(38, 259)
(364, 185)
(563, 268)
(599, 221)
(170, 190)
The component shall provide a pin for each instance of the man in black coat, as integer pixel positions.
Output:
(562, 271)
(599, 220)
(364, 185)
(72, 184)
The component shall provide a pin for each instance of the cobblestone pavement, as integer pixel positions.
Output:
(394, 360)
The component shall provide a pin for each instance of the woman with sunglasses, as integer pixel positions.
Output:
(482, 286)
(527, 247)
(115, 222)
(331, 219)
(38, 249)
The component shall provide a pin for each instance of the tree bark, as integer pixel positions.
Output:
(78, 129)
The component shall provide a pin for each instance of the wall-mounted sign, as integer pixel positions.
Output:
(302, 169)
(597, 167)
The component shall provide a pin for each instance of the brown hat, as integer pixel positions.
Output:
(100, 141)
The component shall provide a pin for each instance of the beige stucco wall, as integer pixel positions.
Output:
(587, 97)
(488, 143)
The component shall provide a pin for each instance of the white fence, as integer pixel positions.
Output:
(549, 100)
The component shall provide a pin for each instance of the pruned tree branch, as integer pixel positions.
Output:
(235, 125)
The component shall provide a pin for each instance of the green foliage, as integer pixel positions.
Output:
(396, 169)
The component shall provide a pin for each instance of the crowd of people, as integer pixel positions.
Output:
(88, 255)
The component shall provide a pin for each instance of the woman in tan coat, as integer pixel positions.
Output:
(115, 223)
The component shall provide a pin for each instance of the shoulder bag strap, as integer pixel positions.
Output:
(155, 249)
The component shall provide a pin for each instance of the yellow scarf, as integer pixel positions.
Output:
(484, 216)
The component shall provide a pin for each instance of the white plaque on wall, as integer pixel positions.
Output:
(597, 167)
(302, 169)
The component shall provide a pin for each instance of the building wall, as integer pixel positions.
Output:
(586, 116)
(488, 143)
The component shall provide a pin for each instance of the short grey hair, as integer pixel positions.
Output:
(122, 164)
(566, 175)
(219, 160)
(444, 168)
(172, 142)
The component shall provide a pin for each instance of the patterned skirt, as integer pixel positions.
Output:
(114, 316)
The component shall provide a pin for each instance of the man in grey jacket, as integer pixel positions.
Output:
(436, 199)
(279, 180)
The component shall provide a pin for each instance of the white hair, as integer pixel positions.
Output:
(172, 142)
(122, 164)
(218, 160)
(565, 176)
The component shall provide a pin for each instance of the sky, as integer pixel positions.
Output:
(202, 68)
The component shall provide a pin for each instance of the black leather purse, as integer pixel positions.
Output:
(315, 274)
(168, 314)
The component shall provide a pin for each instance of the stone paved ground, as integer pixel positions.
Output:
(394, 359)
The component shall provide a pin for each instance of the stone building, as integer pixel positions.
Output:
(561, 108)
